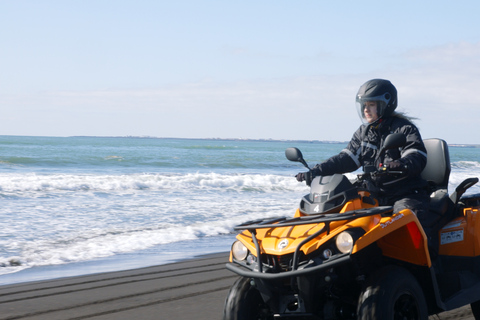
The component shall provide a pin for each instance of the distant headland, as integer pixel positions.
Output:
(217, 139)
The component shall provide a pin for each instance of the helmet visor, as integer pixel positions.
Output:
(382, 102)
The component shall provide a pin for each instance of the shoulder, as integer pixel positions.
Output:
(414, 138)
(357, 138)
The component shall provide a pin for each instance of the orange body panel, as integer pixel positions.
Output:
(270, 238)
(357, 204)
(400, 237)
(457, 238)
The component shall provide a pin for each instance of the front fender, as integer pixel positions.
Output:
(400, 237)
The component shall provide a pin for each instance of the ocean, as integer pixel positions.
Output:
(80, 205)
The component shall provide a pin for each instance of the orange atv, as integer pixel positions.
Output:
(342, 256)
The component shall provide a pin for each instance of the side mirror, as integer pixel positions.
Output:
(393, 141)
(294, 154)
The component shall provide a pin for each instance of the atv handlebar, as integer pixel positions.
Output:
(383, 171)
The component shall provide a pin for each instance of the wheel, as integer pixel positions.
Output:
(244, 302)
(476, 310)
(392, 294)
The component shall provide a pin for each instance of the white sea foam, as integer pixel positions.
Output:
(73, 218)
(91, 246)
(61, 249)
(67, 182)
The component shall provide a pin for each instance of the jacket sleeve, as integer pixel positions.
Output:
(347, 160)
(414, 154)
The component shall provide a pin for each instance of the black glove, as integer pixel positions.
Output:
(396, 165)
(301, 176)
(307, 176)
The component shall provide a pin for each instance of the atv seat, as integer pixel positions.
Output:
(437, 173)
(437, 170)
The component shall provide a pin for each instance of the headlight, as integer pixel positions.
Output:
(344, 242)
(239, 250)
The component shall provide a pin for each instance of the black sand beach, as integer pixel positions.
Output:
(191, 289)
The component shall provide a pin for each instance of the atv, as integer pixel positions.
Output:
(342, 256)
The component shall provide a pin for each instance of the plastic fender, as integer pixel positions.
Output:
(458, 237)
(280, 240)
(399, 236)
(297, 234)
(285, 240)
(357, 204)
(365, 223)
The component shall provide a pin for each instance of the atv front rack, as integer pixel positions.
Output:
(322, 218)
(251, 226)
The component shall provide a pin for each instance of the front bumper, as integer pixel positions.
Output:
(289, 274)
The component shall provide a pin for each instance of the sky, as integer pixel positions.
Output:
(235, 69)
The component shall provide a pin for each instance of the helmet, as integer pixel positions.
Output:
(380, 90)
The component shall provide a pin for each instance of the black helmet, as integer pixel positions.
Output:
(380, 90)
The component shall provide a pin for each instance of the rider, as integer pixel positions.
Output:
(376, 103)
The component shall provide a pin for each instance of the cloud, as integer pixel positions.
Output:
(436, 84)
(439, 85)
(448, 74)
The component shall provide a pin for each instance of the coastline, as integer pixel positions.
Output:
(116, 263)
(314, 141)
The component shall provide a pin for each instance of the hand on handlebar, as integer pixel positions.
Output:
(396, 167)
(307, 176)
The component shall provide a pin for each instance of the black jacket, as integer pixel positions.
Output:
(364, 148)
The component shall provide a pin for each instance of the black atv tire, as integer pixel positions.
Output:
(476, 309)
(390, 294)
(244, 302)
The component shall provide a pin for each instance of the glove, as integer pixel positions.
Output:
(308, 176)
(301, 176)
(396, 165)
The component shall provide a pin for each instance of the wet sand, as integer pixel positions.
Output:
(191, 289)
